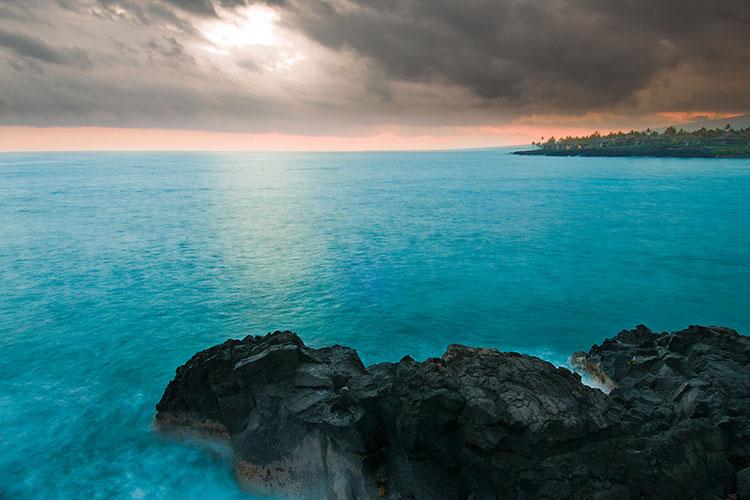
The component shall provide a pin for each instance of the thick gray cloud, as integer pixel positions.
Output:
(4, 105)
(27, 46)
(207, 7)
(335, 65)
(564, 55)
(200, 7)
(31, 47)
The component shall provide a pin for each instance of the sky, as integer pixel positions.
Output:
(361, 74)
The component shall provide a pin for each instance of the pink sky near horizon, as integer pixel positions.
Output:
(521, 132)
(18, 139)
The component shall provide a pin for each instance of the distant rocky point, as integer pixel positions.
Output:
(477, 423)
(702, 143)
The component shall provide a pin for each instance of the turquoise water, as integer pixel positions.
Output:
(116, 268)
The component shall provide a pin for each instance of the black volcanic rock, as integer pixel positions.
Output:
(477, 423)
(700, 375)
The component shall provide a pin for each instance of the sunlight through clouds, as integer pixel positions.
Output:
(252, 32)
(251, 26)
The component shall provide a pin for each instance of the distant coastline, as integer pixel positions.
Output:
(703, 143)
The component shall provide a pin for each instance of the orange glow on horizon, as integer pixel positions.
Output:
(680, 117)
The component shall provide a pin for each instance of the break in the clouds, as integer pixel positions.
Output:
(343, 66)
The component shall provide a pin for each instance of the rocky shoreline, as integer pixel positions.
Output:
(477, 423)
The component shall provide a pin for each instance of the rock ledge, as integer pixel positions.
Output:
(477, 423)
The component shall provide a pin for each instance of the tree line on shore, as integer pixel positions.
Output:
(726, 141)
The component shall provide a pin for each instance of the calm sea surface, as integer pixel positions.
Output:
(116, 268)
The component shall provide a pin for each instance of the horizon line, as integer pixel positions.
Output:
(262, 151)
(29, 139)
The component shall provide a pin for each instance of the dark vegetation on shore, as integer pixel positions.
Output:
(703, 143)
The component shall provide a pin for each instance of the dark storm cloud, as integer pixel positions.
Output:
(568, 55)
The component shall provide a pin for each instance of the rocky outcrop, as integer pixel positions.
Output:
(477, 423)
(694, 378)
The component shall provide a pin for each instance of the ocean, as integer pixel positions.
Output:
(115, 268)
